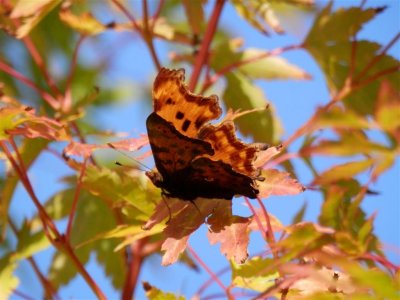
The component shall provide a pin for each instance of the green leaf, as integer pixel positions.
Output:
(122, 189)
(346, 242)
(32, 13)
(9, 282)
(154, 293)
(241, 93)
(337, 117)
(85, 23)
(93, 216)
(351, 143)
(340, 25)
(330, 42)
(299, 216)
(29, 150)
(256, 274)
(331, 214)
(30, 243)
(194, 15)
(380, 283)
(387, 112)
(344, 171)
(269, 67)
(304, 237)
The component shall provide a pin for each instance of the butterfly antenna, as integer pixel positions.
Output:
(129, 157)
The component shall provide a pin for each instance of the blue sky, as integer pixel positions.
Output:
(295, 102)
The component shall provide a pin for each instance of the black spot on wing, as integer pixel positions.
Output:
(186, 125)
(180, 115)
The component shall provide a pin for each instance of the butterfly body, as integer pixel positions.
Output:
(194, 158)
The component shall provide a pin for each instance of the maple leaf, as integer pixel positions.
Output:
(184, 223)
(17, 119)
(231, 231)
(278, 183)
(85, 150)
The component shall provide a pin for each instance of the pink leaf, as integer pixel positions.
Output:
(278, 183)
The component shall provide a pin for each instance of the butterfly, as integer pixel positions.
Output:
(193, 157)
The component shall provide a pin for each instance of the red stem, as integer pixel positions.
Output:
(58, 240)
(67, 101)
(135, 265)
(205, 45)
(237, 64)
(378, 57)
(257, 218)
(41, 64)
(47, 97)
(208, 270)
(75, 200)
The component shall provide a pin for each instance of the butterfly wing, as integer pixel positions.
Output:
(216, 179)
(229, 149)
(175, 103)
(172, 151)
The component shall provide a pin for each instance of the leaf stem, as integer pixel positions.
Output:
(50, 291)
(208, 270)
(240, 63)
(75, 200)
(37, 58)
(148, 36)
(377, 58)
(47, 97)
(135, 265)
(57, 239)
(67, 101)
(205, 45)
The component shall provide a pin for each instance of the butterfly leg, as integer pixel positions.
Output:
(198, 209)
(163, 195)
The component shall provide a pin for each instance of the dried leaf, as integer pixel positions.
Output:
(278, 183)
(231, 231)
(23, 121)
(85, 23)
(184, 223)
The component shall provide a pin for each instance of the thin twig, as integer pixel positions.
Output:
(37, 58)
(47, 222)
(57, 239)
(75, 200)
(47, 285)
(256, 217)
(67, 101)
(135, 265)
(270, 234)
(128, 15)
(240, 63)
(377, 58)
(208, 270)
(47, 97)
(374, 77)
(148, 36)
(205, 45)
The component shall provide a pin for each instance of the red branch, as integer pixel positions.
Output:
(75, 200)
(47, 97)
(240, 63)
(205, 45)
(208, 270)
